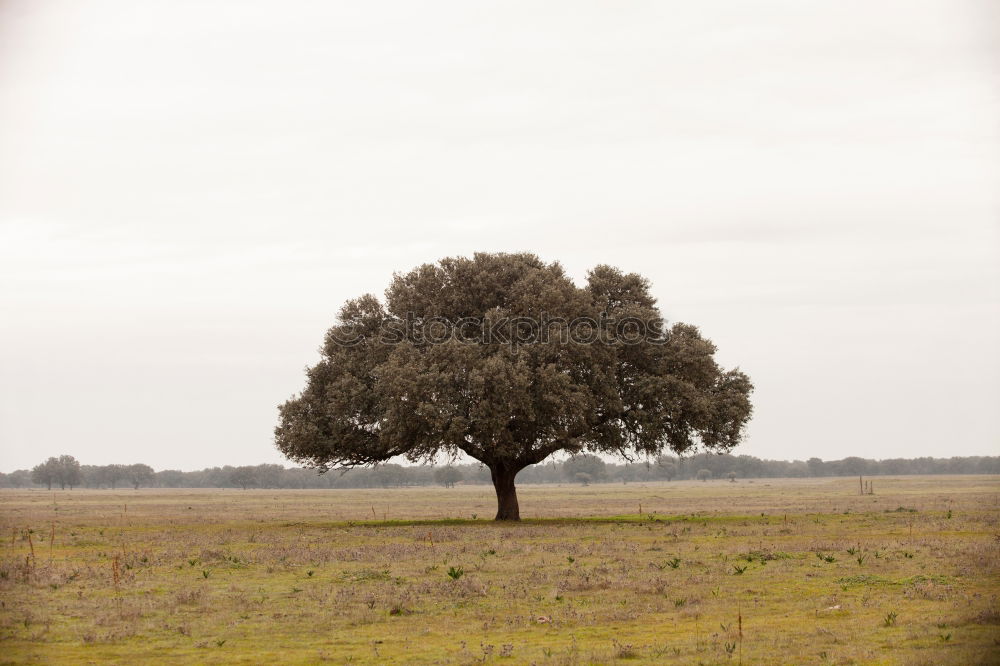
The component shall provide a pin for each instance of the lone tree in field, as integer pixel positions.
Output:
(503, 358)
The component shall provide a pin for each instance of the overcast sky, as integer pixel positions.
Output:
(190, 190)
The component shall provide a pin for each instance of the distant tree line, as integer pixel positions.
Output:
(66, 472)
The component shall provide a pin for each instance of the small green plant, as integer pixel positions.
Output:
(948, 516)
(310, 573)
(826, 558)
(738, 570)
(861, 559)
(205, 573)
(890, 619)
(852, 551)
(673, 563)
(570, 559)
(220, 643)
(455, 572)
(944, 637)
(678, 603)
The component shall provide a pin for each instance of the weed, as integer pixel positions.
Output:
(455, 572)
(890, 619)
(624, 650)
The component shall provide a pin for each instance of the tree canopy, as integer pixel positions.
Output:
(503, 358)
(64, 470)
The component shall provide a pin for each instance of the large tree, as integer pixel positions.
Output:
(503, 358)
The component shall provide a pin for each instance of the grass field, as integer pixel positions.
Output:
(754, 572)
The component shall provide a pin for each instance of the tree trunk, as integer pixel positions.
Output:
(503, 483)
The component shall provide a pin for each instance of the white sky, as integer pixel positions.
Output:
(189, 191)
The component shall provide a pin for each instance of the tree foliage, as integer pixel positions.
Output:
(509, 404)
(140, 475)
(64, 470)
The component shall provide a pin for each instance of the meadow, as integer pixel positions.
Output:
(765, 571)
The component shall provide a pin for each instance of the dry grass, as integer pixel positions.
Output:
(769, 571)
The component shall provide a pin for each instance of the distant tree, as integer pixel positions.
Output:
(589, 465)
(20, 478)
(170, 478)
(244, 476)
(69, 472)
(732, 477)
(583, 478)
(268, 475)
(815, 467)
(388, 474)
(46, 473)
(64, 470)
(853, 466)
(140, 474)
(666, 468)
(388, 386)
(90, 476)
(448, 476)
(110, 475)
(704, 474)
